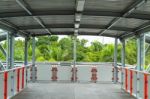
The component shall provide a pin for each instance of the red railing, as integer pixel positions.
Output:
(130, 82)
(5, 84)
(18, 73)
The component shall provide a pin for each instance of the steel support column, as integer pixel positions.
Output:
(140, 52)
(26, 51)
(33, 60)
(10, 50)
(74, 57)
(140, 60)
(122, 60)
(115, 61)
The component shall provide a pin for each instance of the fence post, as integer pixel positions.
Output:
(5, 85)
(115, 61)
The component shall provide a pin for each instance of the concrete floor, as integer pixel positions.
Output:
(73, 91)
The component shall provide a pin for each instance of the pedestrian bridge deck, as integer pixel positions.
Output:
(56, 90)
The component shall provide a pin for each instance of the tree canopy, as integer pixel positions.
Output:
(52, 49)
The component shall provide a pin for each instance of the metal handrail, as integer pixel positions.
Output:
(15, 68)
(144, 72)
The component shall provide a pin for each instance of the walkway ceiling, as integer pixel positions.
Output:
(111, 18)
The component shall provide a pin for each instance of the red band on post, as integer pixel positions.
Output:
(22, 77)
(5, 84)
(126, 79)
(131, 82)
(145, 86)
(94, 74)
(54, 73)
(18, 80)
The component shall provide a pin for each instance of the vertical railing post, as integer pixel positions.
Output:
(5, 85)
(115, 61)
(26, 51)
(140, 61)
(138, 68)
(33, 72)
(126, 79)
(18, 79)
(131, 82)
(26, 57)
(146, 86)
(74, 57)
(122, 60)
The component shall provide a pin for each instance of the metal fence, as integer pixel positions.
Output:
(83, 72)
(13, 81)
(136, 83)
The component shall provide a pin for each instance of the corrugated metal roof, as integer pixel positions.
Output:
(112, 18)
(107, 5)
(97, 20)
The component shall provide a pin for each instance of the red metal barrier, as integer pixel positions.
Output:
(18, 79)
(31, 72)
(26, 71)
(74, 74)
(113, 69)
(131, 82)
(145, 86)
(113, 74)
(54, 73)
(5, 85)
(22, 77)
(94, 74)
(126, 79)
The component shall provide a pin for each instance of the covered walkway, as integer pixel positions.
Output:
(119, 19)
(73, 91)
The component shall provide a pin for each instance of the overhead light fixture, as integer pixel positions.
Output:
(77, 25)
(80, 5)
(78, 17)
(76, 31)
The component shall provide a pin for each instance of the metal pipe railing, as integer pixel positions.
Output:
(13, 81)
(130, 79)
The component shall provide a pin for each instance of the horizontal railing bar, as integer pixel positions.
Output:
(14, 69)
(143, 72)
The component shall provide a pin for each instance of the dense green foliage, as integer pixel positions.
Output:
(53, 49)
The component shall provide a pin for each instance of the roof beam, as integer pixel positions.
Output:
(126, 12)
(72, 26)
(143, 28)
(71, 33)
(117, 14)
(26, 7)
(36, 13)
(139, 30)
(6, 25)
(71, 12)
